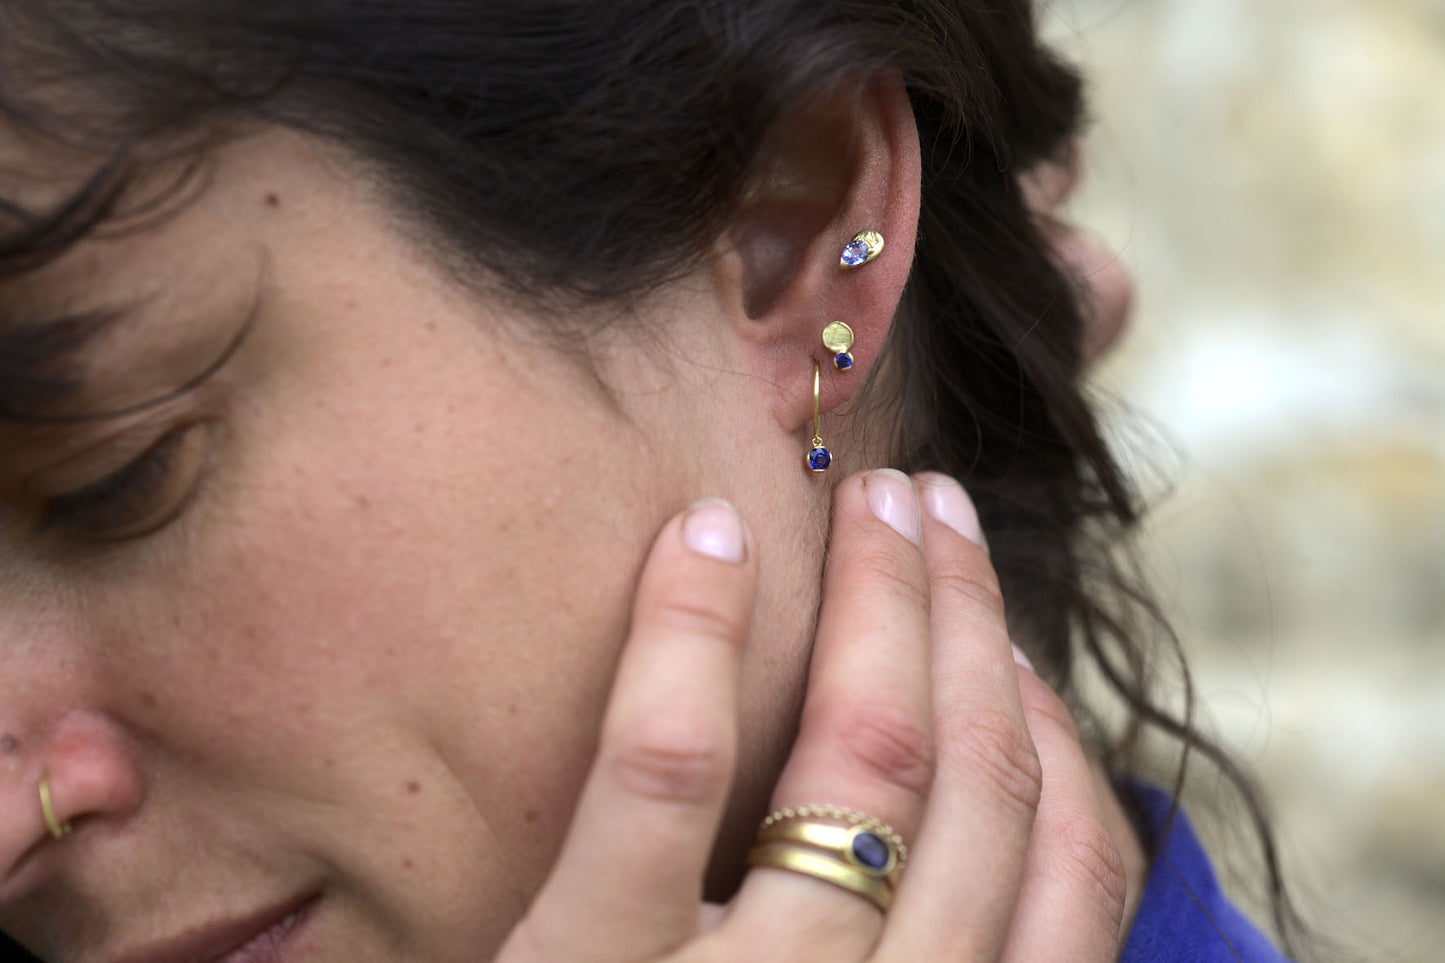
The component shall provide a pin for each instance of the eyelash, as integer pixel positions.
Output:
(114, 505)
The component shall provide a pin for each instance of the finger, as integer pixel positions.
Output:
(709, 915)
(629, 880)
(1071, 906)
(864, 742)
(957, 897)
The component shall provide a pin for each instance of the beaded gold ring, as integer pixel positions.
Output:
(841, 846)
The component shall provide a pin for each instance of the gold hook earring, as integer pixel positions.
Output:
(819, 458)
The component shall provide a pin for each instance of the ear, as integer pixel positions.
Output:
(833, 166)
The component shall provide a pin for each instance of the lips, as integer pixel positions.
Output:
(258, 938)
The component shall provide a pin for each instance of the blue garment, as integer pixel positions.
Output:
(1184, 917)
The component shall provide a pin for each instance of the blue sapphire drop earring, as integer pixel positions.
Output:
(819, 458)
(865, 246)
(838, 338)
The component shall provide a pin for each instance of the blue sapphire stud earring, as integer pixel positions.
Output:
(865, 246)
(838, 338)
(819, 458)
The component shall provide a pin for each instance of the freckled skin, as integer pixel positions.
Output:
(409, 563)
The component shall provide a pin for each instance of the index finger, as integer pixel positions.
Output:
(629, 879)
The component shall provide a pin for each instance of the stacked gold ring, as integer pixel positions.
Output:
(841, 846)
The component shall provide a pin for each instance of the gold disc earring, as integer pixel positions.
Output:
(819, 458)
(838, 338)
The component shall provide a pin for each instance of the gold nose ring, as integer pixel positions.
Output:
(58, 829)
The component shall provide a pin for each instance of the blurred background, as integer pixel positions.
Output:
(1273, 173)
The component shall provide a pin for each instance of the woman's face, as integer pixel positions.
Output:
(349, 642)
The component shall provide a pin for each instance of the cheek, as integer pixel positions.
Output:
(438, 572)
(420, 602)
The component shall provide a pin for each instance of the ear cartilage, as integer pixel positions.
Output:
(838, 339)
(865, 246)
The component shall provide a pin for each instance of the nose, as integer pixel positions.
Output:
(90, 779)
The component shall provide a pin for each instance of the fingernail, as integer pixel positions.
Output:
(712, 528)
(892, 499)
(1022, 659)
(946, 501)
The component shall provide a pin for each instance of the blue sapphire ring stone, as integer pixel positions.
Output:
(871, 852)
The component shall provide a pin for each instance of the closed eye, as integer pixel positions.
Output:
(136, 500)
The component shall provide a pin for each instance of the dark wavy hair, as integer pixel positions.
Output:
(576, 151)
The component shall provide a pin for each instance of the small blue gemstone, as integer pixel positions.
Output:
(871, 851)
(843, 360)
(855, 253)
(819, 459)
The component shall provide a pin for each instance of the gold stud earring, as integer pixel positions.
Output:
(819, 458)
(865, 246)
(838, 338)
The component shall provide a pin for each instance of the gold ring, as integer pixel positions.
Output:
(840, 846)
(875, 889)
(58, 829)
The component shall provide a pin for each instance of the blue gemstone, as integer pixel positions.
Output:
(843, 360)
(819, 459)
(855, 253)
(871, 851)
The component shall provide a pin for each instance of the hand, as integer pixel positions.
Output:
(915, 714)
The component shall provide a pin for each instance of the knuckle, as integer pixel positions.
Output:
(692, 610)
(1086, 854)
(888, 572)
(993, 747)
(673, 769)
(886, 744)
